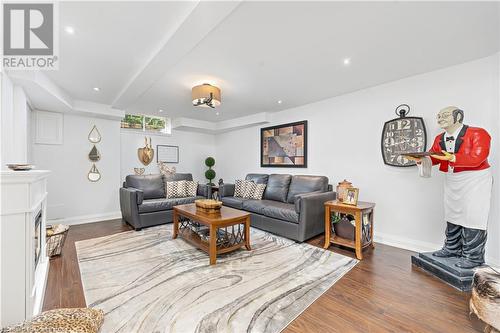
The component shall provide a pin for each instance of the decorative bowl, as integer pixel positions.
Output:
(208, 203)
(208, 206)
(139, 171)
(20, 166)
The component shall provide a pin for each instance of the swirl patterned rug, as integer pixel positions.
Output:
(147, 282)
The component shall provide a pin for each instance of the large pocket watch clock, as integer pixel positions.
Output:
(402, 136)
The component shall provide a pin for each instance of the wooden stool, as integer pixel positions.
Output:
(363, 232)
(485, 298)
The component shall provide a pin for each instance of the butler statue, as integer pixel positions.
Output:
(462, 154)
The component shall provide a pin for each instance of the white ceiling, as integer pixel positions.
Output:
(146, 56)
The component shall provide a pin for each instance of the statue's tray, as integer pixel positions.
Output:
(422, 154)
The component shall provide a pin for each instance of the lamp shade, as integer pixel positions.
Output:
(206, 95)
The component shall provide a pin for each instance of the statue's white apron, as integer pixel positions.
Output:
(467, 197)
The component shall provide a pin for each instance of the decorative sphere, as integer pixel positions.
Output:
(210, 174)
(210, 162)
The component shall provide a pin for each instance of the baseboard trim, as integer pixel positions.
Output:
(82, 219)
(418, 246)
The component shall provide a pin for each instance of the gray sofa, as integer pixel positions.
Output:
(143, 200)
(292, 206)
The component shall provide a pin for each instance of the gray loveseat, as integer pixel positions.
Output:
(143, 200)
(292, 206)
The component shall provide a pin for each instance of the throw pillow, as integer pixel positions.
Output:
(248, 189)
(175, 189)
(84, 320)
(191, 188)
(254, 191)
(258, 191)
(165, 170)
(239, 187)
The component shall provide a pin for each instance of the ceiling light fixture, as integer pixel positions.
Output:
(96, 89)
(280, 101)
(217, 113)
(69, 30)
(347, 61)
(206, 95)
(160, 110)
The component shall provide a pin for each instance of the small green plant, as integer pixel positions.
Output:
(335, 218)
(210, 173)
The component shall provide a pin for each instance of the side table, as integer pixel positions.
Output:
(363, 234)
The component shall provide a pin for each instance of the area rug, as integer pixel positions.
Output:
(147, 282)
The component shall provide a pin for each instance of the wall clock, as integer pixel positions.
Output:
(401, 136)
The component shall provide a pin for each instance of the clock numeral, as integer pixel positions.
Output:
(403, 124)
(389, 142)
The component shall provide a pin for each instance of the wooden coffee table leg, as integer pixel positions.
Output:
(176, 225)
(247, 233)
(212, 251)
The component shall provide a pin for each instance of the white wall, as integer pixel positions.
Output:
(14, 117)
(344, 142)
(193, 149)
(72, 197)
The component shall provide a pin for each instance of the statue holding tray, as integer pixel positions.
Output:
(461, 152)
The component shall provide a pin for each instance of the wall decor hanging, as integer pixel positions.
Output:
(94, 174)
(146, 153)
(284, 145)
(402, 136)
(94, 135)
(94, 154)
(167, 154)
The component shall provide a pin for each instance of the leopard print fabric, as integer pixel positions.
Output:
(79, 320)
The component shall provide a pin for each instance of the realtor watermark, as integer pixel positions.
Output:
(30, 36)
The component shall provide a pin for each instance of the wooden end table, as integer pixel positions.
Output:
(214, 234)
(363, 234)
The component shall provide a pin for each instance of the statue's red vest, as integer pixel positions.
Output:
(472, 147)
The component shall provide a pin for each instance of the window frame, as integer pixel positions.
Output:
(167, 130)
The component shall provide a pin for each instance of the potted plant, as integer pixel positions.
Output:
(210, 173)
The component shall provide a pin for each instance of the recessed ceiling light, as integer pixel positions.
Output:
(160, 110)
(280, 101)
(347, 61)
(96, 89)
(216, 113)
(69, 30)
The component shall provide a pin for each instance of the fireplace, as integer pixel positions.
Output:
(37, 237)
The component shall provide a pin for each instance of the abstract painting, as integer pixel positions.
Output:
(284, 145)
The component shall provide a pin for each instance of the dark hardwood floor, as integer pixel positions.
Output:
(383, 293)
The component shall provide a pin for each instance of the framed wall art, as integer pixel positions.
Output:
(284, 145)
(167, 154)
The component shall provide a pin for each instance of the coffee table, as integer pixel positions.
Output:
(213, 233)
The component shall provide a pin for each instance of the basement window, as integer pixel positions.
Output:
(144, 123)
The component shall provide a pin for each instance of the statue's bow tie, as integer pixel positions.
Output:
(450, 138)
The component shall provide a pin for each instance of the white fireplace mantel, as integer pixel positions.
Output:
(22, 284)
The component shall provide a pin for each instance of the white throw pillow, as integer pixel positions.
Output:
(175, 189)
(239, 187)
(191, 188)
(258, 191)
(247, 189)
